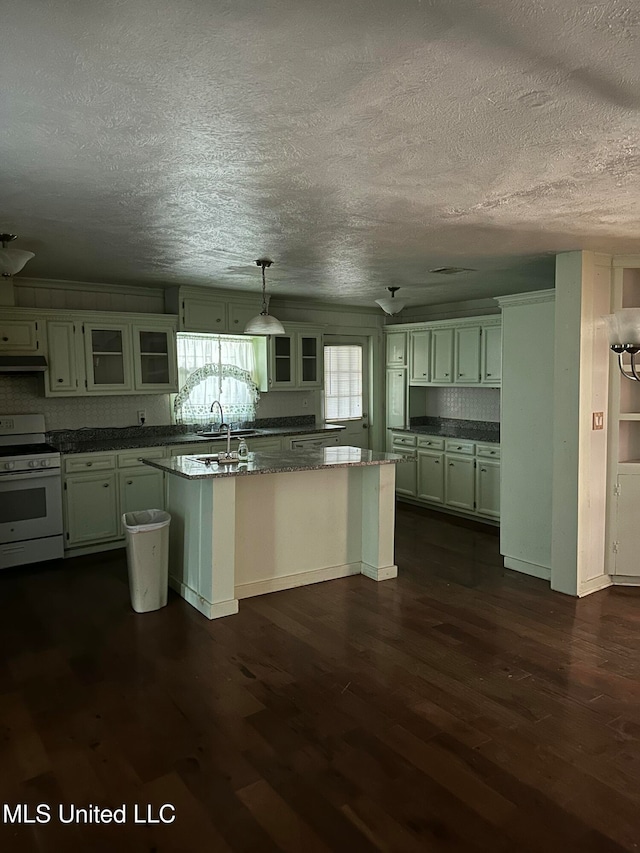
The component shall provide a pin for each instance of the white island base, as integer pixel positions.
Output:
(237, 536)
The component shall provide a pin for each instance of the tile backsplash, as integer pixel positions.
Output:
(25, 395)
(473, 404)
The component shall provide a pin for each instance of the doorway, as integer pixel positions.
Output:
(346, 387)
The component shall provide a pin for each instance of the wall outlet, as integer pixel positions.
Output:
(597, 420)
(142, 417)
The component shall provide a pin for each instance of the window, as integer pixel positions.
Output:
(215, 367)
(342, 382)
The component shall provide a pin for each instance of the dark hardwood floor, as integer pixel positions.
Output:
(460, 707)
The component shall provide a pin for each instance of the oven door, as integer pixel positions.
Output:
(30, 505)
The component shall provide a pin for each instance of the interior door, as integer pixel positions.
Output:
(346, 387)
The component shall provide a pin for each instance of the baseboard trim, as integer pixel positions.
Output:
(248, 590)
(384, 573)
(595, 584)
(94, 549)
(624, 580)
(468, 516)
(207, 608)
(532, 569)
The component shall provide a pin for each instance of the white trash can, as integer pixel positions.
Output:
(147, 534)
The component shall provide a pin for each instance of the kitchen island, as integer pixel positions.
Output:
(278, 521)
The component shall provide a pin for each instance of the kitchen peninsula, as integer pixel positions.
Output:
(280, 520)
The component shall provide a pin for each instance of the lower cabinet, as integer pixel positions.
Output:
(460, 475)
(431, 476)
(140, 488)
(91, 504)
(488, 488)
(100, 487)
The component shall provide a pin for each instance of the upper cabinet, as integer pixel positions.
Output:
(442, 356)
(199, 311)
(295, 359)
(491, 361)
(93, 355)
(19, 336)
(396, 349)
(449, 352)
(467, 355)
(419, 357)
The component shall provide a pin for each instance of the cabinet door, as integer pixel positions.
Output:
(419, 357)
(239, 314)
(492, 355)
(19, 336)
(467, 355)
(281, 350)
(205, 315)
(396, 349)
(406, 473)
(266, 445)
(442, 356)
(140, 488)
(488, 488)
(459, 482)
(91, 504)
(396, 398)
(625, 554)
(62, 376)
(108, 357)
(155, 361)
(430, 486)
(309, 359)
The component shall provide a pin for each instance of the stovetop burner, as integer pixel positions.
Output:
(26, 450)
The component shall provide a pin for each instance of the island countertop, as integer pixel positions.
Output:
(321, 458)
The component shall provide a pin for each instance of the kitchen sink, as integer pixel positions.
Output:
(234, 432)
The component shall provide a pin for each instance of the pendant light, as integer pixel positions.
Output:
(264, 323)
(12, 260)
(390, 305)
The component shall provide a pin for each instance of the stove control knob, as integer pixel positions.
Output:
(33, 463)
(9, 466)
(45, 463)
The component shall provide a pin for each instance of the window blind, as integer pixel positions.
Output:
(343, 382)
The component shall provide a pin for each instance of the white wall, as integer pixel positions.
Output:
(582, 358)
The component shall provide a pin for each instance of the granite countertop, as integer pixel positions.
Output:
(484, 431)
(276, 463)
(132, 438)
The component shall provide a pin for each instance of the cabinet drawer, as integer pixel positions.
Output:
(89, 462)
(467, 448)
(492, 451)
(404, 440)
(431, 442)
(131, 458)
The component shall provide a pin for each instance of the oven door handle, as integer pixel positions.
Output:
(11, 477)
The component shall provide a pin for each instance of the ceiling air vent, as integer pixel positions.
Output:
(451, 270)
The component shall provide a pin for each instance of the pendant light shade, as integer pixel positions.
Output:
(389, 304)
(263, 323)
(12, 260)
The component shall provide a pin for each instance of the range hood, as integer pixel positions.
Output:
(22, 363)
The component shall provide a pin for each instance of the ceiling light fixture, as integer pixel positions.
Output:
(12, 260)
(390, 305)
(624, 325)
(264, 323)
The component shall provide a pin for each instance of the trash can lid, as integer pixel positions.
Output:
(146, 519)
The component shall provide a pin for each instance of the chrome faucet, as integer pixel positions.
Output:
(217, 403)
(222, 426)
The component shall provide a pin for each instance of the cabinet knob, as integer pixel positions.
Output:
(60, 380)
(5, 339)
(237, 321)
(219, 320)
(489, 374)
(436, 461)
(450, 464)
(89, 464)
(484, 470)
(446, 374)
(129, 482)
(105, 485)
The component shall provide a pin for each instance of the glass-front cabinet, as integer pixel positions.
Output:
(154, 359)
(296, 360)
(108, 357)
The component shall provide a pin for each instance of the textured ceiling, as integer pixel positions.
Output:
(359, 144)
